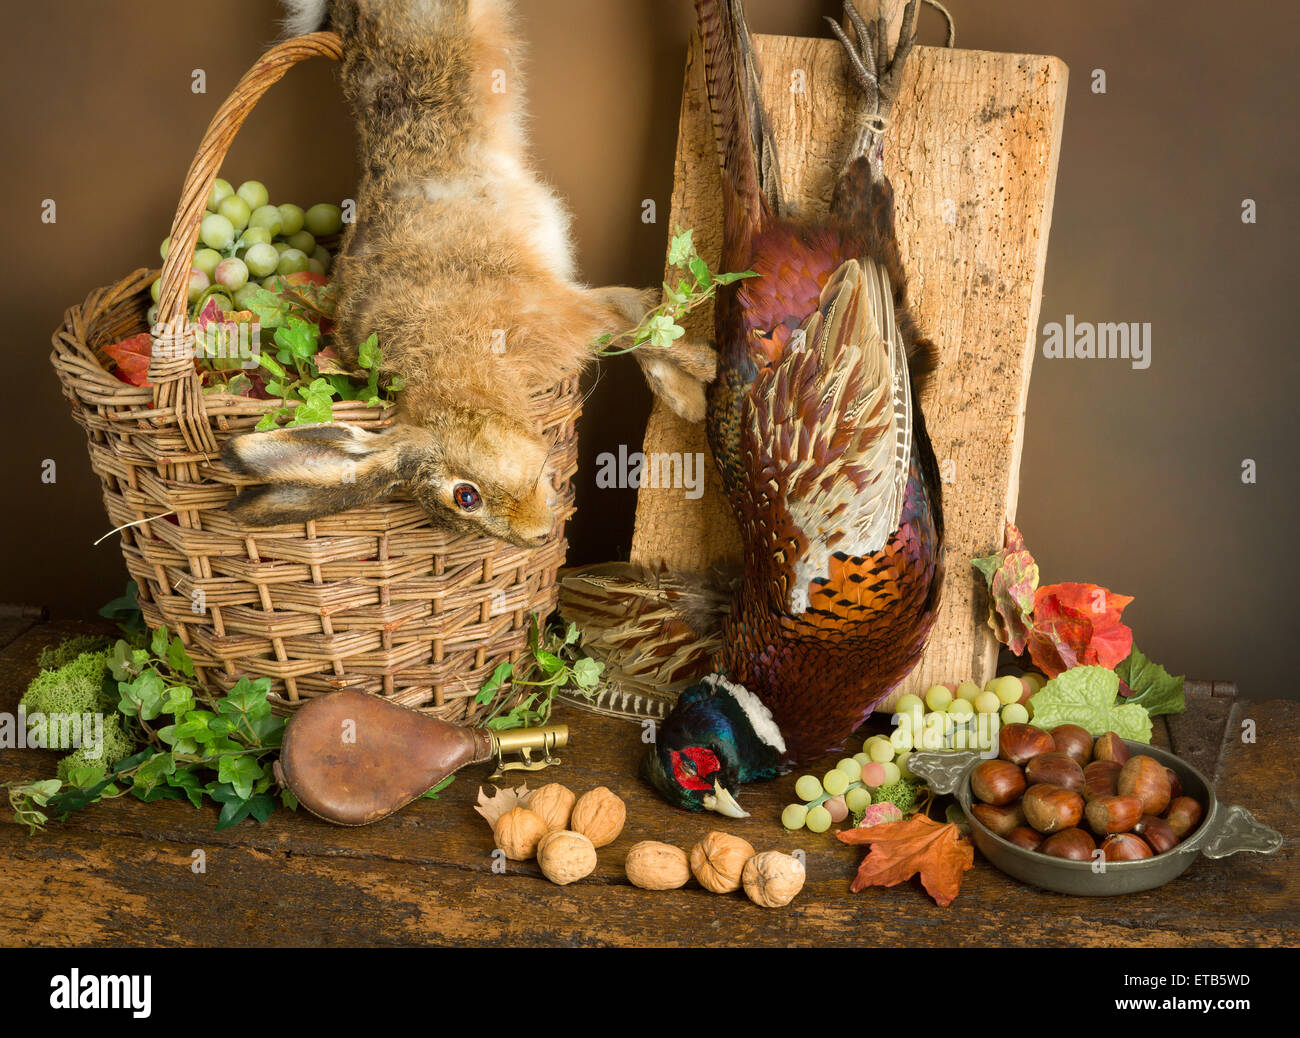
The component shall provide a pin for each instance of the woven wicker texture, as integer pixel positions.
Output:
(375, 598)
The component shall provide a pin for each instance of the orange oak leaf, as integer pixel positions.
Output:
(131, 358)
(1077, 625)
(900, 850)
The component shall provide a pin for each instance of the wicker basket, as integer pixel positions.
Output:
(375, 598)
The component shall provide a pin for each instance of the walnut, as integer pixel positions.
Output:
(652, 865)
(566, 856)
(772, 879)
(718, 860)
(599, 815)
(518, 833)
(554, 803)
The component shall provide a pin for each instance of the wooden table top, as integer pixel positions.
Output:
(120, 873)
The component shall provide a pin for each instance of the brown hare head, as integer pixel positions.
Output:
(475, 473)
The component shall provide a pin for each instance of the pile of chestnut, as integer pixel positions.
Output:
(1045, 787)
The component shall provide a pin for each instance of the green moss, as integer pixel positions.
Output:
(74, 688)
(53, 657)
(116, 746)
(902, 794)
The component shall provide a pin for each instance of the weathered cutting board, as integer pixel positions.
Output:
(972, 155)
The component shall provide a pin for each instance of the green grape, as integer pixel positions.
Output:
(165, 247)
(987, 703)
(960, 708)
(216, 232)
(254, 192)
(151, 315)
(221, 190)
(232, 273)
(206, 260)
(262, 259)
(324, 219)
(323, 257)
(199, 283)
(968, 690)
(292, 261)
(901, 763)
(851, 768)
(255, 236)
(303, 241)
(292, 216)
(155, 291)
(908, 704)
(818, 820)
(857, 798)
(892, 773)
(267, 216)
(793, 816)
(937, 697)
(835, 782)
(1008, 689)
(863, 760)
(901, 740)
(236, 210)
(314, 265)
(281, 246)
(1015, 713)
(808, 787)
(880, 748)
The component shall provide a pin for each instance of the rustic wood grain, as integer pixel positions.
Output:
(972, 155)
(121, 873)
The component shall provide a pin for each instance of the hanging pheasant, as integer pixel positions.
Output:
(821, 445)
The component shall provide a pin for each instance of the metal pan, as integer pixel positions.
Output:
(1224, 830)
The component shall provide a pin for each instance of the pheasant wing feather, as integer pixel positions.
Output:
(827, 431)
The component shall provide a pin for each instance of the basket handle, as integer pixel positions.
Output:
(171, 370)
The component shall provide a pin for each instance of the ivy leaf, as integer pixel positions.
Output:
(432, 794)
(494, 682)
(1151, 686)
(586, 673)
(301, 338)
(681, 248)
(727, 279)
(369, 355)
(187, 781)
(142, 697)
(241, 772)
(178, 657)
(317, 405)
(663, 331)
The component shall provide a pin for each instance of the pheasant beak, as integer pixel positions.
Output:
(723, 802)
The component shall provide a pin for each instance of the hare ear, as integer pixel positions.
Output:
(313, 470)
(678, 374)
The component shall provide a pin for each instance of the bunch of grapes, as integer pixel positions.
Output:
(956, 716)
(962, 716)
(244, 242)
(846, 788)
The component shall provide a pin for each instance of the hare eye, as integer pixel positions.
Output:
(467, 497)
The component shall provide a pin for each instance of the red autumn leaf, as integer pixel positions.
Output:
(1077, 625)
(900, 850)
(131, 358)
(1012, 576)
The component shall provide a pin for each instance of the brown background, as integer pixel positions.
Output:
(1130, 479)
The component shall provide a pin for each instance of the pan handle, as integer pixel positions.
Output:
(1240, 832)
(942, 772)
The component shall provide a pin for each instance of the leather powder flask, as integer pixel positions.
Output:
(352, 758)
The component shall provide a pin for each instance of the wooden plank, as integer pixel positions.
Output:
(972, 155)
(120, 873)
